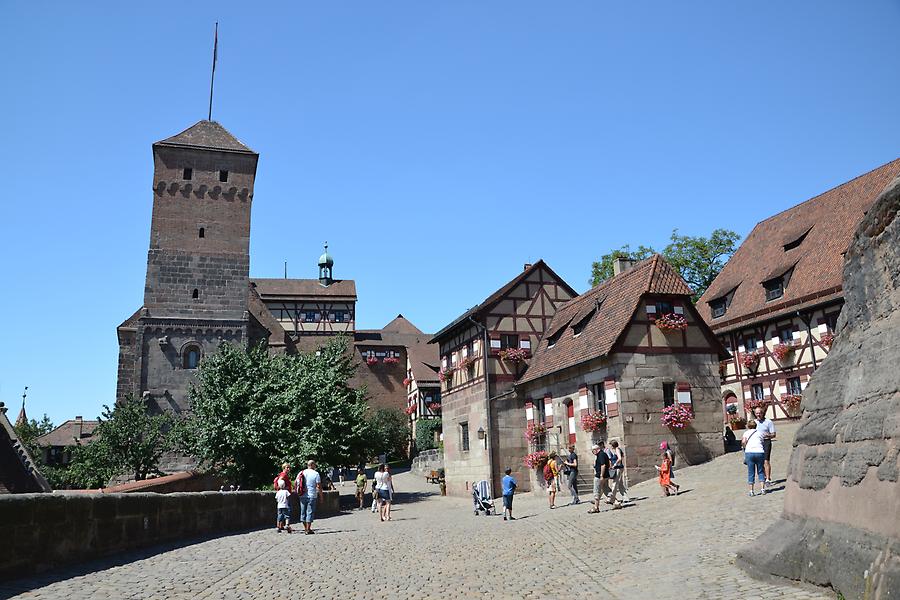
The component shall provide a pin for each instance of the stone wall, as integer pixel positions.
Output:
(427, 461)
(841, 521)
(43, 531)
(464, 404)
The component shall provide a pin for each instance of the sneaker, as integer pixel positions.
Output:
(765, 490)
(504, 518)
(512, 518)
(278, 530)
(617, 506)
(751, 494)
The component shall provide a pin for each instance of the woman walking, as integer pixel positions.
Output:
(754, 457)
(665, 474)
(551, 476)
(384, 487)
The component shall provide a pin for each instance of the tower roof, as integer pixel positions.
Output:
(326, 260)
(207, 135)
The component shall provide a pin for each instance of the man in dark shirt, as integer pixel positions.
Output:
(601, 474)
(571, 465)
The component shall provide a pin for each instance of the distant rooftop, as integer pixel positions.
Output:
(206, 134)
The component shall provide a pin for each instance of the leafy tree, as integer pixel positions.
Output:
(425, 429)
(33, 429)
(389, 433)
(252, 411)
(698, 259)
(128, 441)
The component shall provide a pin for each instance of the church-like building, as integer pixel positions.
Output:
(199, 293)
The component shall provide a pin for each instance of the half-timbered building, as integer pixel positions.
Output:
(775, 304)
(482, 353)
(610, 363)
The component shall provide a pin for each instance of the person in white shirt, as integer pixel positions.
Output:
(767, 427)
(283, 504)
(754, 456)
(384, 488)
(309, 488)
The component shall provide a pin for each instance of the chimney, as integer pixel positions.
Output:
(80, 422)
(527, 266)
(620, 265)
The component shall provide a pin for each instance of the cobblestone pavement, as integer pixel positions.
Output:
(677, 547)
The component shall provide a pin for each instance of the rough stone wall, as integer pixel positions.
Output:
(841, 521)
(427, 461)
(464, 405)
(128, 353)
(508, 442)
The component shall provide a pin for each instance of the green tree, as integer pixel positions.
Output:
(128, 441)
(389, 433)
(425, 429)
(698, 259)
(29, 431)
(252, 411)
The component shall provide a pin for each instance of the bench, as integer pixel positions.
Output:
(433, 477)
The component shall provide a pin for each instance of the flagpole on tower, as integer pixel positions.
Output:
(212, 79)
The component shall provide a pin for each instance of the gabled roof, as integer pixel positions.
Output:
(423, 357)
(499, 295)
(827, 221)
(278, 337)
(303, 288)
(402, 325)
(18, 471)
(69, 433)
(612, 303)
(208, 135)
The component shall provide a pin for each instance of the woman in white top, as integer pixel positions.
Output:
(754, 457)
(384, 488)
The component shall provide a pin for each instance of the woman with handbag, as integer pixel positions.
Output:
(754, 457)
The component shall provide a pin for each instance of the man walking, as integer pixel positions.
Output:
(601, 474)
(617, 471)
(309, 488)
(571, 470)
(509, 488)
(766, 429)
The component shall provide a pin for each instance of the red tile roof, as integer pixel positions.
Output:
(828, 222)
(612, 303)
(68, 432)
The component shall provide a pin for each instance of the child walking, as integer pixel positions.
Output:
(509, 488)
(665, 476)
(283, 504)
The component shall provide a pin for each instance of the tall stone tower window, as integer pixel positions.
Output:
(195, 294)
(188, 174)
(223, 176)
(202, 232)
(190, 357)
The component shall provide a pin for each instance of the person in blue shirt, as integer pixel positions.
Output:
(509, 488)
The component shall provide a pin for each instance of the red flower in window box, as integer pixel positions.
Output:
(410, 409)
(791, 403)
(434, 406)
(446, 374)
(827, 339)
(671, 322)
(749, 360)
(514, 355)
(536, 460)
(782, 351)
(677, 416)
(406, 382)
(371, 361)
(466, 363)
(751, 405)
(593, 421)
(391, 360)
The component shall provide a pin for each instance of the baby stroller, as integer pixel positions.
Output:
(481, 497)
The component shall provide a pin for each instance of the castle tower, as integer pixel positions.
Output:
(196, 294)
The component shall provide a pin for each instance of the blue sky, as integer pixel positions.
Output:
(437, 146)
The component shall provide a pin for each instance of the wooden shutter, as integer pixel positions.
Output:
(612, 397)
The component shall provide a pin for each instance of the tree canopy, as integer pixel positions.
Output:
(251, 411)
(698, 259)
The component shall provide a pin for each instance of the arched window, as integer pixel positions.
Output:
(190, 357)
(196, 294)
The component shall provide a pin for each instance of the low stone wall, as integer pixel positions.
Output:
(427, 461)
(42, 531)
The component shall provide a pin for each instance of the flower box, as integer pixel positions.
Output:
(391, 360)
(677, 416)
(782, 351)
(751, 405)
(827, 339)
(536, 460)
(406, 382)
(534, 432)
(736, 421)
(410, 410)
(593, 421)
(434, 407)
(791, 404)
(671, 322)
(446, 374)
(514, 355)
(466, 363)
(371, 361)
(749, 360)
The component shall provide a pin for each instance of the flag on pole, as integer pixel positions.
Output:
(212, 78)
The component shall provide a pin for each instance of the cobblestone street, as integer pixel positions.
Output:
(678, 547)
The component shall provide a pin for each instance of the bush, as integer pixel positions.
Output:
(425, 429)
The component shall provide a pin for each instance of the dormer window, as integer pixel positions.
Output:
(774, 288)
(551, 341)
(578, 327)
(718, 307)
(791, 244)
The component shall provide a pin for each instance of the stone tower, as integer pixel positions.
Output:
(196, 293)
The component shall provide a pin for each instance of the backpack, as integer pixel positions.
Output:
(301, 483)
(548, 472)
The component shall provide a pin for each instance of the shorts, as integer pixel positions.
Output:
(384, 495)
(598, 487)
(767, 448)
(284, 514)
(551, 486)
(507, 501)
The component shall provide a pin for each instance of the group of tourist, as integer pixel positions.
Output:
(757, 445)
(308, 486)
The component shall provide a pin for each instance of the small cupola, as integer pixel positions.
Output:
(326, 263)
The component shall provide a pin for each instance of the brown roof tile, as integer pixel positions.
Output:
(614, 301)
(68, 432)
(828, 220)
(209, 135)
(304, 288)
